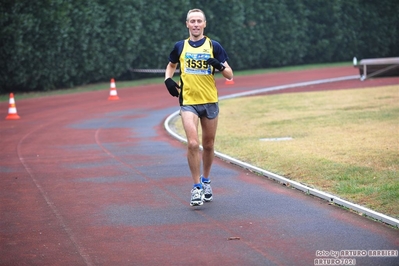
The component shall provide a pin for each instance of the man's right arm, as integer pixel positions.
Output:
(173, 57)
(170, 84)
(170, 70)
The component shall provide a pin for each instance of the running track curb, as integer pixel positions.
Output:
(285, 181)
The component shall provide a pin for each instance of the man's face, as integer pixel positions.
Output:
(196, 24)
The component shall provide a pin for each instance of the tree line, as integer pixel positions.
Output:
(53, 44)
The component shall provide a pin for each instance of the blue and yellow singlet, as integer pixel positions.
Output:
(197, 77)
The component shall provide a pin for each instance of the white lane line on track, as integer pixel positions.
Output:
(326, 196)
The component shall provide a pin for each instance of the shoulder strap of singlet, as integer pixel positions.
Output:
(182, 47)
(211, 45)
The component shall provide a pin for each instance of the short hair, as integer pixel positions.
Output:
(195, 10)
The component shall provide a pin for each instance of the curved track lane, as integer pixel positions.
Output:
(87, 181)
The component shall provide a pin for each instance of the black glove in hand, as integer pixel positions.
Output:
(172, 87)
(216, 64)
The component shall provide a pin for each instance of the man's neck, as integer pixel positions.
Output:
(196, 38)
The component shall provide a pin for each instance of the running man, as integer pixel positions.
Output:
(198, 57)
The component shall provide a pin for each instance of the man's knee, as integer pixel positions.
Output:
(208, 145)
(193, 145)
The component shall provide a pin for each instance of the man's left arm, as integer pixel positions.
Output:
(221, 56)
(228, 71)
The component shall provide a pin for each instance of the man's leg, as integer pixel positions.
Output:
(190, 125)
(209, 127)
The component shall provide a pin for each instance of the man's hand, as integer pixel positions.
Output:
(216, 64)
(172, 87)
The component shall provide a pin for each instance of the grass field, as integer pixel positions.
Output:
(344, 142)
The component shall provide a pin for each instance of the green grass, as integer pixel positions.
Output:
(344, 142)
(289, 68)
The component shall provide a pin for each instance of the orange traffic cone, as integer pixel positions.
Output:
(12, 108)
(113, 95)
(229, 81)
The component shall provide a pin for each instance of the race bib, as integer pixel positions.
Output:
(196, 64)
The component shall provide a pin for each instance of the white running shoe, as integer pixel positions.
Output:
(197, 197)
(207, 191)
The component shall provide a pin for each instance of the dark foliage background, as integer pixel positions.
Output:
(52, 44)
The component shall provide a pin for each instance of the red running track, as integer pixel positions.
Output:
(87, 181)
